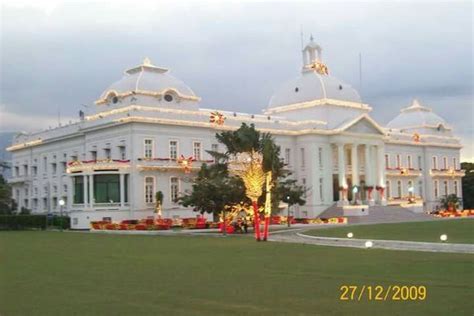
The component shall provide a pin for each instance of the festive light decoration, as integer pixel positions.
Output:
(319, 67)
(217, 118)
(25, 144)
(324, 101)
(185, 163)
(147, 93)
(451, 172)
(416, 138)
(101, 164)
(248, 166)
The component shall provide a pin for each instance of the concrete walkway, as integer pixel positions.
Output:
(297, 236)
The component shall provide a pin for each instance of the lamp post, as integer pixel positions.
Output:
(288, 215)
(61, 204)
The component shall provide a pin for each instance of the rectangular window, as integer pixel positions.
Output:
(197, 151)
(55, 189)
(420, 165)
(54, 167)
(148, 148)
(410, 164)
(107, 188)
(16, 172)
(35, 171)
(455, 187)
(302, 158)
(399, 188)
(93, 155)
(420, 188)
(320, 157)
(123, 152)
(25, 170)
(174, 189)
(436, 189)
(45, 164)
(65, 188)
(399, 161)
(287, 159)
(173, 149)
(455, 163)
(79, 190)
(388, 193)
(446, 188)
(215, 147)
(445, 163)
(387, 161)
(434, 163)
(303, 183)
(64, 167)
(149, 189)
(321, 187)
(107, 153)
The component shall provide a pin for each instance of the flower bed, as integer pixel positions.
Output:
(464, 213)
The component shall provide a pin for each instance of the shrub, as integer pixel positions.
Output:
(21, 222)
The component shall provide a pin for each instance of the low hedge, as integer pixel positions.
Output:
(23, 222)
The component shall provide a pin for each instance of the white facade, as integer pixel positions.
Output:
(111, 162)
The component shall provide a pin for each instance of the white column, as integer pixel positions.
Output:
(368, 179)
(91, 191)
(381, 172)
(122, 190)
(86, 196)
(341, 173)
(355, 165)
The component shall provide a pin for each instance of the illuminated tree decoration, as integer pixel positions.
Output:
(416, 138)
(248, 166)
(185, 163)
(217, 118)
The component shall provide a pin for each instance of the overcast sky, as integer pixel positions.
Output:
(235, 54)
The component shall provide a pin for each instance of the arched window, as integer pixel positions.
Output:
(399, 188)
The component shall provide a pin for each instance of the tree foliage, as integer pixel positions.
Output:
(214, 188)
(6, 201)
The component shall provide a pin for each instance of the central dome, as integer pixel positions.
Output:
(314, 83)
(310, 86)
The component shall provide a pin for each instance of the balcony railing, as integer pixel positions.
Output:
(403, 172)
(180, 164)
(102, 164)
(447, 173)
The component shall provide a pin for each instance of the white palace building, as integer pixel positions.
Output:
(111, 162)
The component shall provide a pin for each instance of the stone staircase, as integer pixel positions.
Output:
(379, 214)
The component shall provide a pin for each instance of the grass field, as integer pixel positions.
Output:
(54, 273)
(458, 231)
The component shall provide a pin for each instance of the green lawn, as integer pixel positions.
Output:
(54, 273)
(458, 231)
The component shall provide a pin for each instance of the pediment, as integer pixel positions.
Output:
(364, 125)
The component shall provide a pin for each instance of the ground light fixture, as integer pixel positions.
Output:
(443, 237)
(369, 244)
(350, 235)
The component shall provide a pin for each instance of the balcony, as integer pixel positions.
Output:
(19, 179)
(403, 172)
(447, 173)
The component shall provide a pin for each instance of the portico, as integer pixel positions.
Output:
(359, 170)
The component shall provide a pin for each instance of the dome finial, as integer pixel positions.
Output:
(147, 62)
